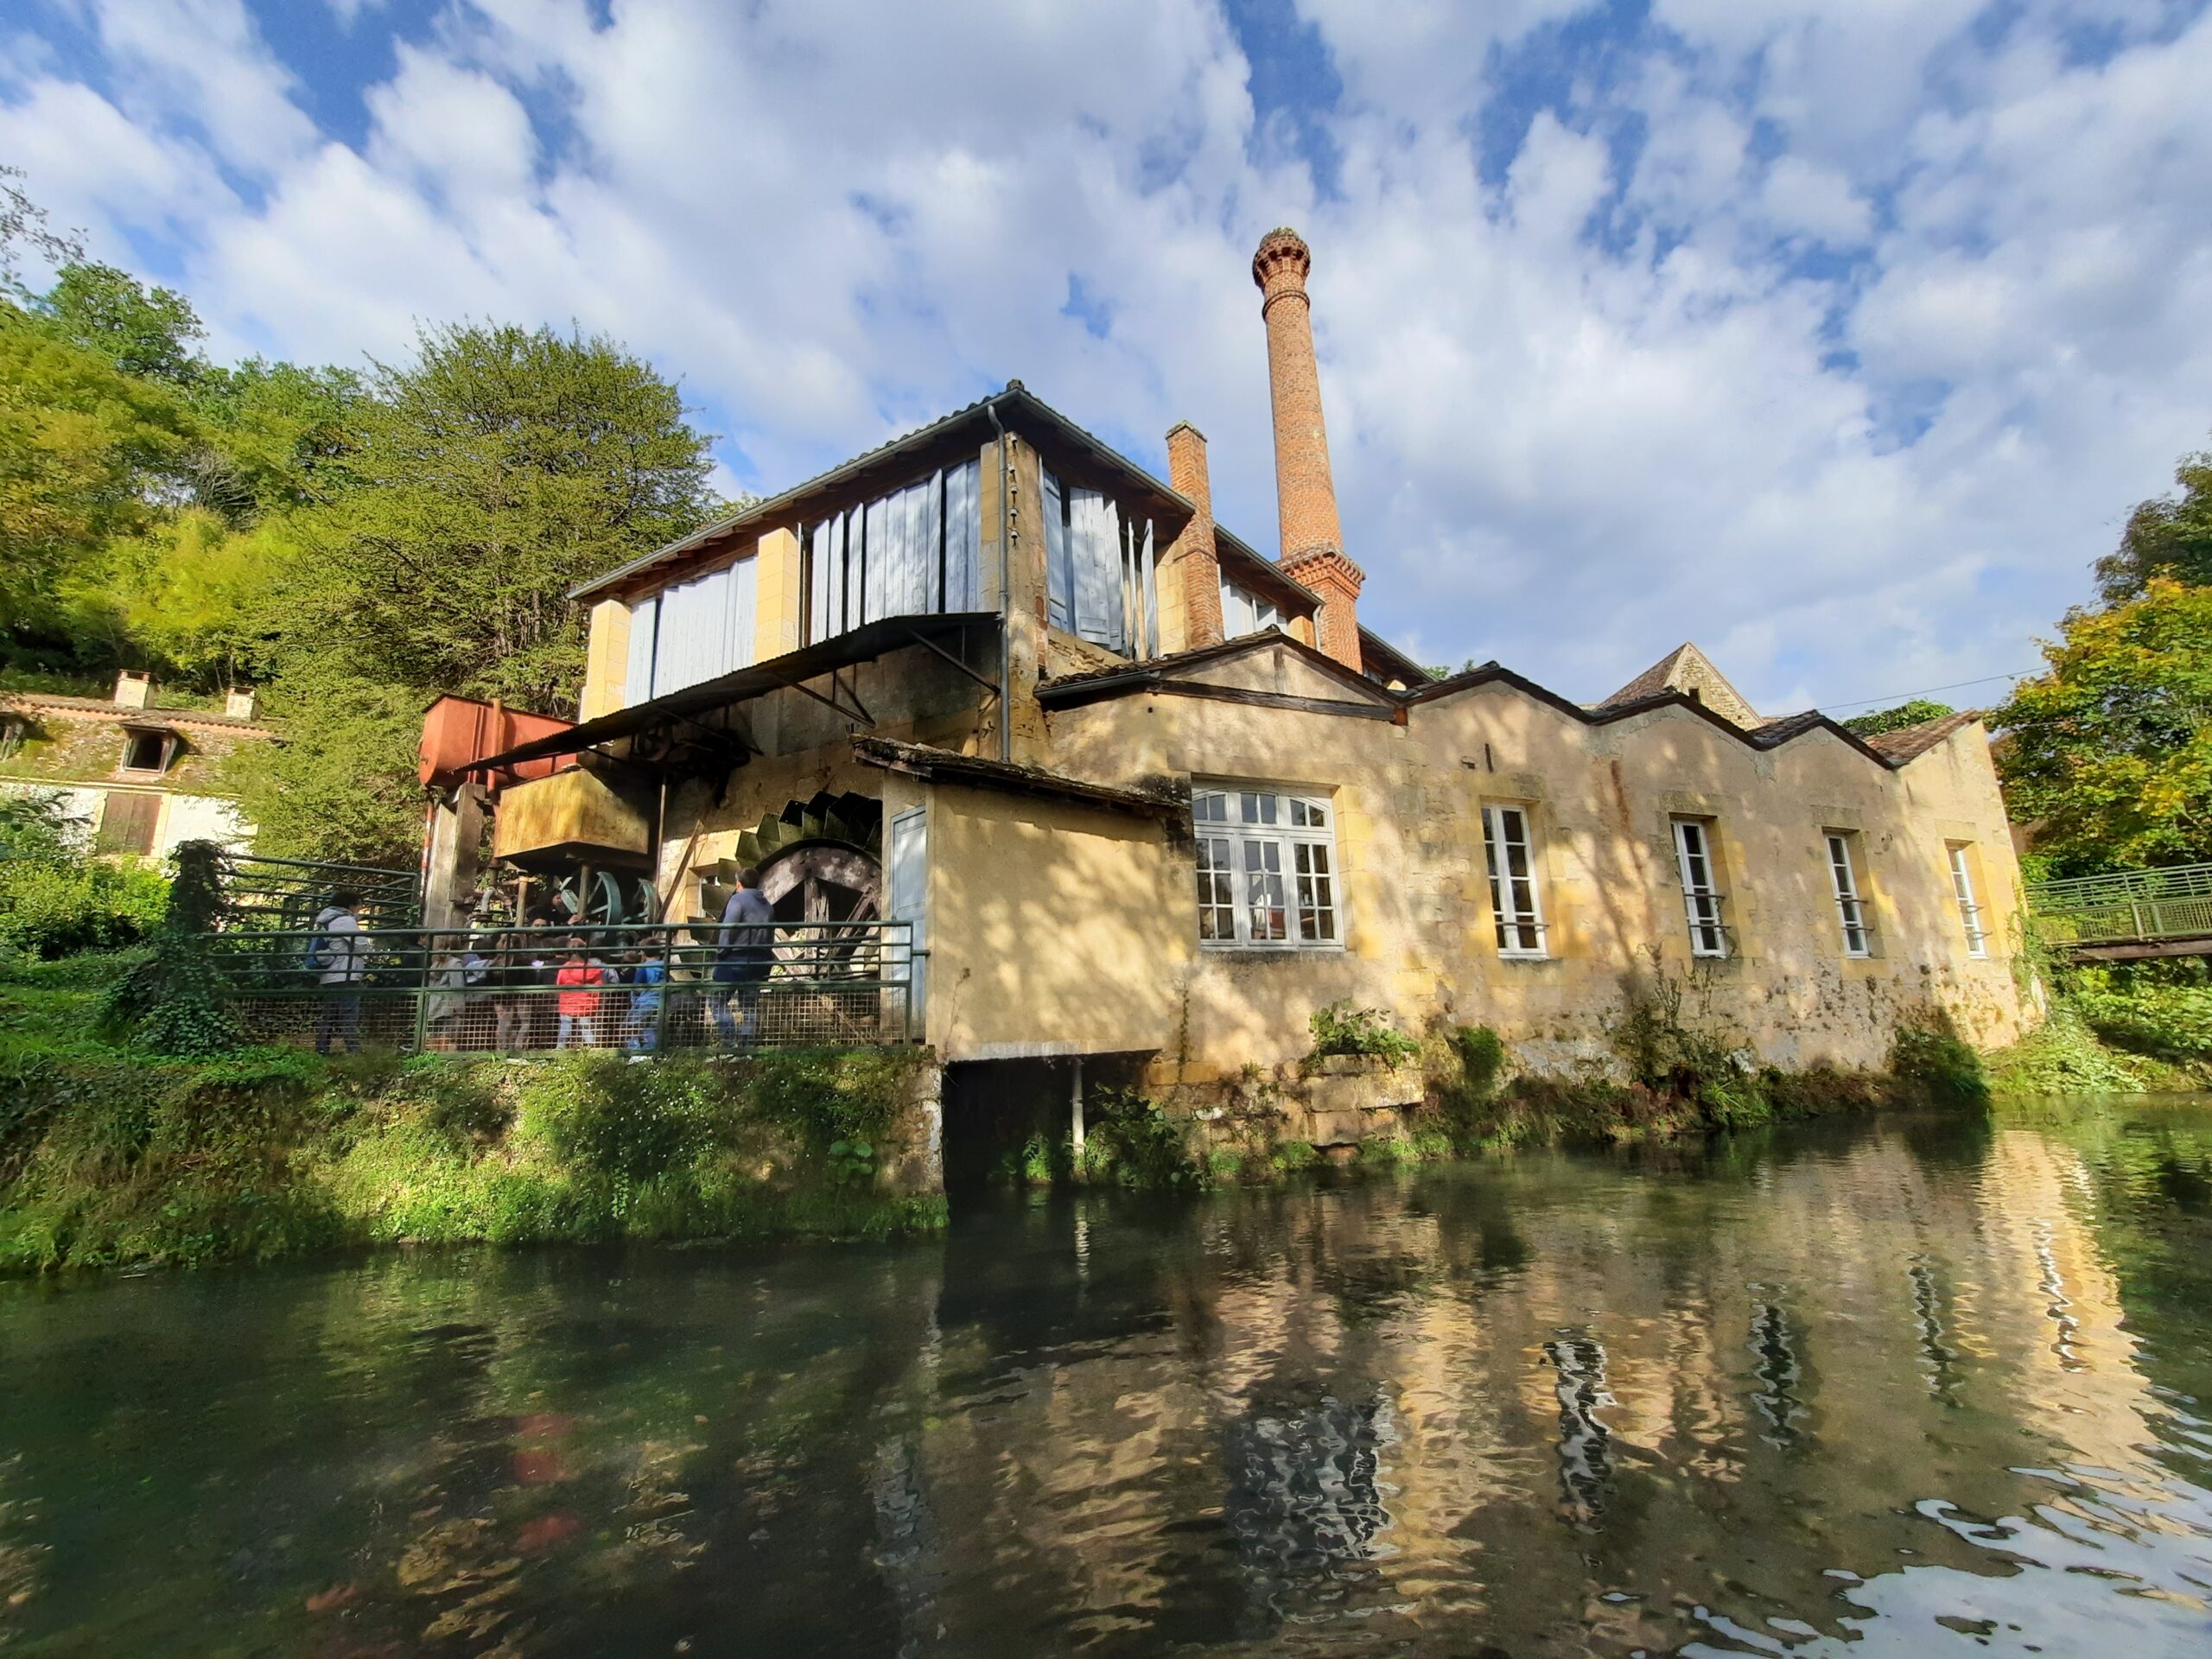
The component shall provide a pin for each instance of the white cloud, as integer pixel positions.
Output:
(1571, 450)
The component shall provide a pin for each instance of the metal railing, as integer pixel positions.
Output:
(643, 988)
(2125, 906)
(281, 893)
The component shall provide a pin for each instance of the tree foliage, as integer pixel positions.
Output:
(495, 471)
(145, 331)
(1918, 711)
(2168, 535)
(2108, 753)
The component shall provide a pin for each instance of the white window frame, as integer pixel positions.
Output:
(1252, 837)
(1695, 867)
(1959, 855)
(1850, 903)
(1519, 926)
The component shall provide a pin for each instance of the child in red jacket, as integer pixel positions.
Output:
(578, 1006)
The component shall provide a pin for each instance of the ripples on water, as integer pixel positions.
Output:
(1900, 1388)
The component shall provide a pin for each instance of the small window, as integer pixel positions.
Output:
(1515, 906)
(1267, 869)
(1851, 908)
(1702, 895)
(1962, 887)
(146, 751)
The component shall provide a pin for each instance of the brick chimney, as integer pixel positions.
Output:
(1195, 557)
(1312, 540)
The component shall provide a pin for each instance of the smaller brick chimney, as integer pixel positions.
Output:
(1196, 559)
(1306, 495)
(132, 689)
(238, 702)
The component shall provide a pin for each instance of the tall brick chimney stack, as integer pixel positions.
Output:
(1196, 558)
(1312, 540)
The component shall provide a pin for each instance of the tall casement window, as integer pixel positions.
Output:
(1961, 855)
(1850, 905)
(1702, 895)
(1099, 576)
(1515, 906)
(917, 551)
(1267, 869)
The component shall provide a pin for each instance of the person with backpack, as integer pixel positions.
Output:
(338, 956)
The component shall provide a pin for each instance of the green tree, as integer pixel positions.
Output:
(276, 436)
(342, 785)
(1916, 712)
(144, 332)
(2166, 536)
(188, 597)
(2108, 753)
(495, 471)
(84, 450)
(24, 224)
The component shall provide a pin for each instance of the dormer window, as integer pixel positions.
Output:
(1244, 611)
(1099, 578)
(148, 749)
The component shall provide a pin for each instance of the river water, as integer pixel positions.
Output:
(1905, 1387)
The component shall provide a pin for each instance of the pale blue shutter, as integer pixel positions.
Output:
(1095, 553)
(744, 585)
(1059, 573)
(644, 623)
(963, 538)
(1148, 590)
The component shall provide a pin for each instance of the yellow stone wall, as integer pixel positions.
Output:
(1415, 904)
(607, 660)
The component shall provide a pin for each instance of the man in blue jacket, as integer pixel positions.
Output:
(746, 957)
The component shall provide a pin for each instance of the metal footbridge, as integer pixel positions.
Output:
(2127, 915)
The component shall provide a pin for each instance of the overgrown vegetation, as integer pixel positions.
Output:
(55, 898)
(1340, 1028)
(113, 1155)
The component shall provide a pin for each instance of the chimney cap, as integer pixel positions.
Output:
(1185, 426)
(1281, 243)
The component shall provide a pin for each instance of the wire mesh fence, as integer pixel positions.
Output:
(639, 987)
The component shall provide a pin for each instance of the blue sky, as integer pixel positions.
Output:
(1838, 335)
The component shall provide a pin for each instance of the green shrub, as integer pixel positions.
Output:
(1131, 1141)
(1481, 1054)
(1940, 1065)
(2167, 1022)
(59, 909)
(608, 1117)
(1340, 1028)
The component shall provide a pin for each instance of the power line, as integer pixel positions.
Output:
(1902, 696)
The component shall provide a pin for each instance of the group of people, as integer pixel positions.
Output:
(512, 991)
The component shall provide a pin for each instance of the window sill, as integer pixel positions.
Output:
(1238, 950)
(1525, 956)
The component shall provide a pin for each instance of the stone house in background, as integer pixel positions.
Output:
(1151, 798)
(138, 776)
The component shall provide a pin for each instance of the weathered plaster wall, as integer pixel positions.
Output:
(1047, 933)
(1419, 939)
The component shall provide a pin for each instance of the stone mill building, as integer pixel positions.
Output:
(1152, 796)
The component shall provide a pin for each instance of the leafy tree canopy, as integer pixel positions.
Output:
(2109, 752)
(2166, 536)
(144, 332)
(1916, 712)
(342, 785)
(495, 471)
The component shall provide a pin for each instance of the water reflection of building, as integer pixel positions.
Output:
(1326, 1407)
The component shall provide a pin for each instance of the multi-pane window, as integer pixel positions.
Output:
(1515, 906)
(1267, 868)
(1701, 887)
(1969, 906)
(1850, 906)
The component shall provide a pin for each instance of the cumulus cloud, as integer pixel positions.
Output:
(1836, 336)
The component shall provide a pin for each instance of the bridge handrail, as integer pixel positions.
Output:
(2082, 892)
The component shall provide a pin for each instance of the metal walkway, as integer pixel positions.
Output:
(2129, 915)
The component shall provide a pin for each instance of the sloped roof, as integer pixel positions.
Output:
(1689, 671)
(1910, 742)
(979, 772)
(1121, 679)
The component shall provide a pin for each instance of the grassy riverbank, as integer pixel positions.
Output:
(110, 1156)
